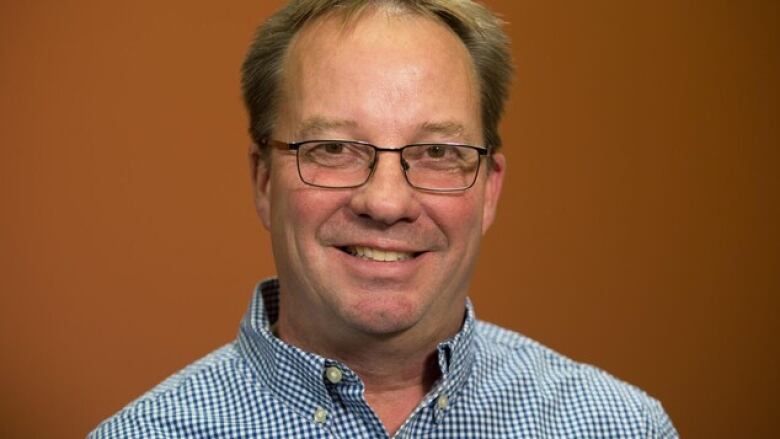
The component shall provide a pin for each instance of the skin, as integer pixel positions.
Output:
(389, 79)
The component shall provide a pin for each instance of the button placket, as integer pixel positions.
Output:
(440, 406)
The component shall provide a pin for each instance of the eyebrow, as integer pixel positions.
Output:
(449, 129)
(318, 124)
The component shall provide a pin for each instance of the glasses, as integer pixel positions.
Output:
(435, 167)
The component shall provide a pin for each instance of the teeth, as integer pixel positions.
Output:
(373, 254)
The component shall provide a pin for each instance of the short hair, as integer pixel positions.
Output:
(478, 29)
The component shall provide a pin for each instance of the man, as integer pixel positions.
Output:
(377, 170)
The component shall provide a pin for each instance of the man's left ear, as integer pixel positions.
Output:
(493, 184)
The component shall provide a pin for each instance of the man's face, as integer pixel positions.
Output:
(391, 81)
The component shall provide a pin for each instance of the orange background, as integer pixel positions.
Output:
(637, 231)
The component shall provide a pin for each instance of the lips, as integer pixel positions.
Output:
(378, 255)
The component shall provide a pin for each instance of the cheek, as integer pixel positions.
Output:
(288, 195)
(294, 213)
(457, 216)
(300, 211)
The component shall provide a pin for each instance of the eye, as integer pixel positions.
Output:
(333, 148)
(436, 151)
(335, 154)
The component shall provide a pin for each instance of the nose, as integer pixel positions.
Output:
(386, 197)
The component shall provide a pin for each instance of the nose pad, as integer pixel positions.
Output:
(404, 164)
(373, 163)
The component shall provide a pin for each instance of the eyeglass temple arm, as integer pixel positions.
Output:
(278, 144)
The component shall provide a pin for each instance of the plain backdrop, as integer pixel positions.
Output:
(638, 228)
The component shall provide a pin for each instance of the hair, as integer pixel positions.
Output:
(478, 29)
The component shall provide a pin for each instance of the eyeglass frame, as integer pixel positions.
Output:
(295, 146)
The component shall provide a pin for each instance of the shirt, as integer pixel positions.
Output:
(494, 383)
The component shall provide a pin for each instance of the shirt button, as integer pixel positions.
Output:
(442, 402)
(320, 415)
(333, 374)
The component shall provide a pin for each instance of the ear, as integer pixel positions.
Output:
(260, 170)
(495, 181)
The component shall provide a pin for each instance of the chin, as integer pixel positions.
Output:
(384, 318)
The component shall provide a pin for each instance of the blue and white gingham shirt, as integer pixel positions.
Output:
(494, 384)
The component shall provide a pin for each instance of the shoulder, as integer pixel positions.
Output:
(217, 383)
(554, 386)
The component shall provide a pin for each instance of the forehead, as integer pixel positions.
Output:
(397, 65)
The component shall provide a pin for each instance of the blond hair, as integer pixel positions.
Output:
(478, 29)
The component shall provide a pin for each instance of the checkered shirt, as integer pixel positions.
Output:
(494, 384)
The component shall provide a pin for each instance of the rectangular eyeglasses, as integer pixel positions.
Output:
(435, 167)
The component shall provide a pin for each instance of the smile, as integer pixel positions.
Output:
(373, 254)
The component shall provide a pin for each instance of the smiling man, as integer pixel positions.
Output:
(377, 171)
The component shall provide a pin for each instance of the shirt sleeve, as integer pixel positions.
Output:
(661, 424)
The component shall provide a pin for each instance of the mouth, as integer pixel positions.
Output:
(377, 255)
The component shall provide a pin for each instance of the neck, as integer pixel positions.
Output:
(395, 379)
(383, 360)
(397, 370)
(384, 363)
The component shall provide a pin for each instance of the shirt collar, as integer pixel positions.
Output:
(288, 371)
